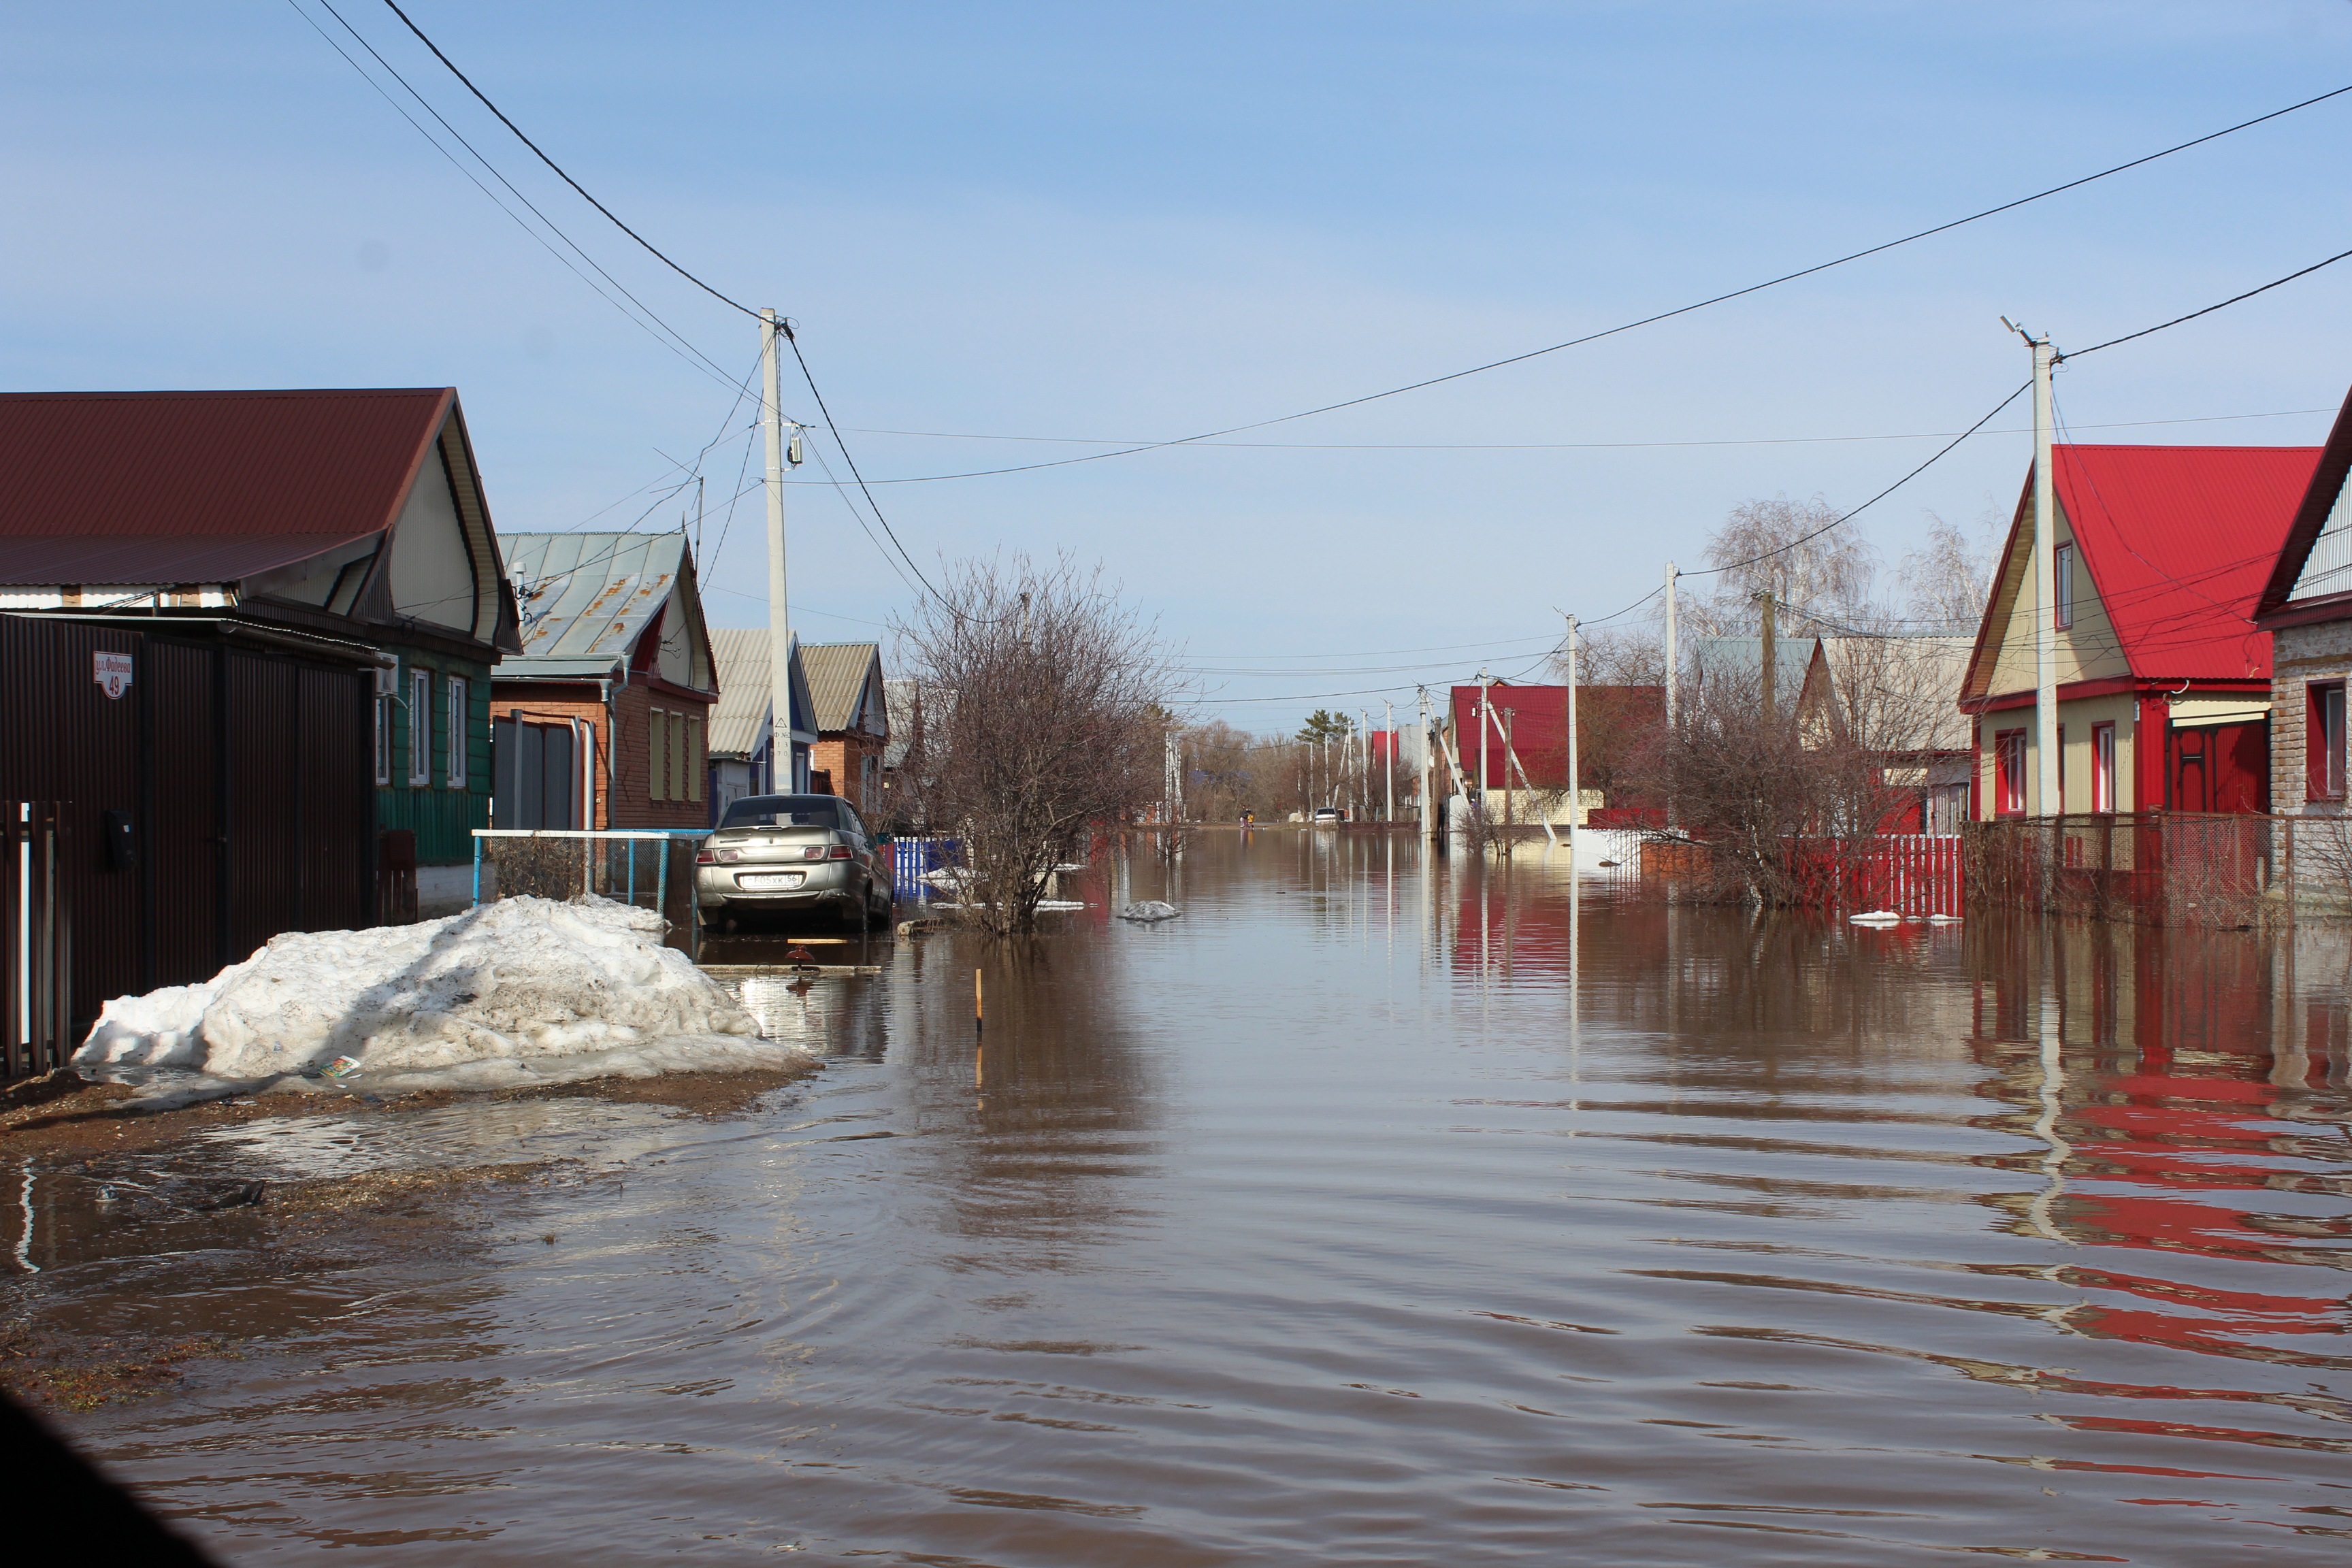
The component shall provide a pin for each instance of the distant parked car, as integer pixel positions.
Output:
(793, 854)
(1328, 816)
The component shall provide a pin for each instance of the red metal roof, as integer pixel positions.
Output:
(2179, 542)
(106, 470)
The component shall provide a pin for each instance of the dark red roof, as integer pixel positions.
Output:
(178, 485)
(2179, 542)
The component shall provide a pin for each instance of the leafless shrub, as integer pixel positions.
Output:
(1057, 724)
(1778, 807)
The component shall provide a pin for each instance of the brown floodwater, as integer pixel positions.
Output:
(1375, 1211)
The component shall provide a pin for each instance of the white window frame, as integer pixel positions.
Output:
(2062, 568)
(383, 739)
(2103, 767)
(420, 727)
(460, 717)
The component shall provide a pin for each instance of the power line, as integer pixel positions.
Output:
(1560, 446)
(2209, 309)
(576, 186)
(1651, 319)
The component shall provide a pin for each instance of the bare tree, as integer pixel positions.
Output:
(1778, 805)
(1947, 579)
(1795, 550)
(1056, 723)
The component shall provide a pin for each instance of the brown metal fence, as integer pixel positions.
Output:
(2154, 868)
(36, 939)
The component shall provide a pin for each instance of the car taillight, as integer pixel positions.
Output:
(814, 852)
(706, 857)
(838, 852)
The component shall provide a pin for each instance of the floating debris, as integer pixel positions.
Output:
(1150, 911)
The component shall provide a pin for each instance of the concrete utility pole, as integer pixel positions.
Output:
(2046, 788)
(1771, 655)
(1575, 791)
(1672, 593)
(779, 615)
(1388, 796)
(1430, 819)
(1484, 709)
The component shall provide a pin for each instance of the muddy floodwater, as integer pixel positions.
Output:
(1376, 1211)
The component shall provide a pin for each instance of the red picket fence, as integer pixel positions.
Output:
(1909, 873)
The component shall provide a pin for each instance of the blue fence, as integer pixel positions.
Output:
(913, 856)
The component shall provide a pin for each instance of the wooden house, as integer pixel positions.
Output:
(2164, 678)
(323, 530)
(742, 761)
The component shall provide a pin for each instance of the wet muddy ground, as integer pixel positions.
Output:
(1373, 1211)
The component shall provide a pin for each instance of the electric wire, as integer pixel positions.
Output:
(575, 185)
(2209, 309)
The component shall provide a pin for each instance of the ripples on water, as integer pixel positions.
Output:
(1359, 1216)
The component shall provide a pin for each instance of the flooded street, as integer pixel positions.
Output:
(1366, 1214)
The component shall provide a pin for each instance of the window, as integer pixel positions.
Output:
(383, 738)
(460, 731)
(420, 726)
(2061, 600)
(2323, 741)
(2103, 767)
(2061, 770)
(2009, 773)
(697, 765)
(658, 755)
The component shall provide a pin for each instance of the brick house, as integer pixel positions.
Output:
(603, 719)
(2163, 679)
(853, 720)
(2306, 607)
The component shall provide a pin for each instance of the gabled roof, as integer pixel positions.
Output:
(1914, 683)
(180, 488)
(587, 597)
(846, 679)
(2311, 579)
(739, 725)
(2176, 540)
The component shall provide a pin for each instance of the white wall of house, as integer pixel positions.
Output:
(432, 569)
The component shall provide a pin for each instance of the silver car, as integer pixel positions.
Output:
(791, 854)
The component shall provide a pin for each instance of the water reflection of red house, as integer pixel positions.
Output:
(2169, 1105)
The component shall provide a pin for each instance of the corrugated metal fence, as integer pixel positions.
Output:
(223, 795)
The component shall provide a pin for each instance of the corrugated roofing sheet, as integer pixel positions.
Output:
(838, 673)
(138, 465)
(585, 597)
(114, 558)
(2179, 541)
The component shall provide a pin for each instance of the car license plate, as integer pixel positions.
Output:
(769, 881)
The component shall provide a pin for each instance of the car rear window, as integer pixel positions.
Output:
(783, 811)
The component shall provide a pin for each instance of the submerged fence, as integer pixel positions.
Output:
(2165, 868)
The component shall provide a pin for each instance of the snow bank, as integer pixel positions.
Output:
(1149, 910)
(522, 991)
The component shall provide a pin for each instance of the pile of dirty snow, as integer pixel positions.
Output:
(523, 991)
(1149, 910)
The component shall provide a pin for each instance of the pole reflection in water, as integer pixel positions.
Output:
(1554, 1224)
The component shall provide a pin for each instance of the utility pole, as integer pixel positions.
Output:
(1672, 594)
(779, 615)
(1388, 808)
(1484, 709)
(2046, 788)
(1771, 654)
(1575, 791)
(1429, 818)
(1024, 618)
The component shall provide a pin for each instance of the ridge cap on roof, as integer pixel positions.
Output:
(226, 393)
(2169, 446)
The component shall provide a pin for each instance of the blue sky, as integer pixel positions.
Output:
(1106, 222)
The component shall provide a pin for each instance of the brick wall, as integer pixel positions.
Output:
(2299, 655)
(624, 772)
(841, 754)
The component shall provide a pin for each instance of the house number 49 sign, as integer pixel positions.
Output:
(112, 672)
